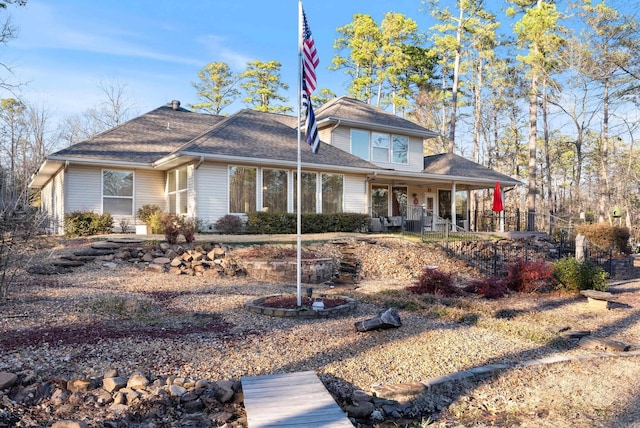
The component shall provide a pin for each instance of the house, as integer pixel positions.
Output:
(207, 166)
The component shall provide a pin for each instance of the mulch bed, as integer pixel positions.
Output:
(291, 302)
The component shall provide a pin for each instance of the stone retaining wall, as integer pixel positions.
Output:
(313, 271)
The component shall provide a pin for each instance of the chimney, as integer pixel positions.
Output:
(175, 104)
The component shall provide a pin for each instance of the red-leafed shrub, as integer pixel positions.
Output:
(490, 288)
(434, 281)
(527, 276)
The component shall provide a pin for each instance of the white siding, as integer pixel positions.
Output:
(149, 190)
(52, 203)
(341, 138)
(355, 194)
(83, 189)
(211, 184)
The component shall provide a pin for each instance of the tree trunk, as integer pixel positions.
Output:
(533, 113)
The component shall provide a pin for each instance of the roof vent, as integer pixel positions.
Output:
(175, 104)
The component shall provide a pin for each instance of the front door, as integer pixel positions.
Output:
(430, 201)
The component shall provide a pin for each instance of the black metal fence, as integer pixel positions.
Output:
(491, 256)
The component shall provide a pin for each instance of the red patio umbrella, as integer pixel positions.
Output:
(497, 199)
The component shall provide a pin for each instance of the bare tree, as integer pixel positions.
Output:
(115, 109)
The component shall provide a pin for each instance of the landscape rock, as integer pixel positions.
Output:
(7, 380)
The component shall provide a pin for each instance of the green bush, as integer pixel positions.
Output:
(286, 223)
(150, 215)
(573, 275)
(86, 223)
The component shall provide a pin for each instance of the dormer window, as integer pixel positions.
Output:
(379, 146)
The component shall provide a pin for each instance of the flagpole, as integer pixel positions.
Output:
(299, 177)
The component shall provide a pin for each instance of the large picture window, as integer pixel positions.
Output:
(332, 193)
(242, 189)
(117, 192)
(308, 190)
(274, 190)
(177, 191)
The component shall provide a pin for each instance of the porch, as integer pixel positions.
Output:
(420, 220)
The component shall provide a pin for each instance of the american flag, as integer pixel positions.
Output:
(309, 56)
(312, 130)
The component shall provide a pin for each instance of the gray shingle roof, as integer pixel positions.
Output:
(267, 136)
(145, 138)
(350, 109)
(453, 165)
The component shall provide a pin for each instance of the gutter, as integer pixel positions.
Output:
(397, 129)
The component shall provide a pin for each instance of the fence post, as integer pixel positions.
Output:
(446, 235)
(581, 247)
(495, 259)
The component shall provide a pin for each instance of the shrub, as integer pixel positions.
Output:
(527, 276)
(187, 228)
(229, 225)
(573, 275)
(434, 281)
(149, 214)
(490, 288)
(86, 223)
(607, 236)
(169, 225)
(286, 223)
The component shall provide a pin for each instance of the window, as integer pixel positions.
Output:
(379, 201)
(332, 191)
(308, 190)
(379, 147)
(242, 189)
(177, 191)
(360, 143)
(117, 192)
(380, 143)
(400, 149)
(274, 190)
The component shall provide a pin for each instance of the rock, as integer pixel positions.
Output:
(111, 384)
(7, 380)
(177, 390)
(78, 385)
(110, 265)
(70, 424)
(161, 260)
(362, 411)
(137, 381)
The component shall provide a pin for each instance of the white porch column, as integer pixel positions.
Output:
(501, 213)
(468, 210)
(453, 207)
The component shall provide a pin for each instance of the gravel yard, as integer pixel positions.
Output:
(96, 319)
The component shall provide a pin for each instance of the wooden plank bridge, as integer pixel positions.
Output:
(291, 400)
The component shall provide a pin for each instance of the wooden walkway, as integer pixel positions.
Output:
(291, 400)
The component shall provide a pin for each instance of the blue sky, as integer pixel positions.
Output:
(65, 48)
